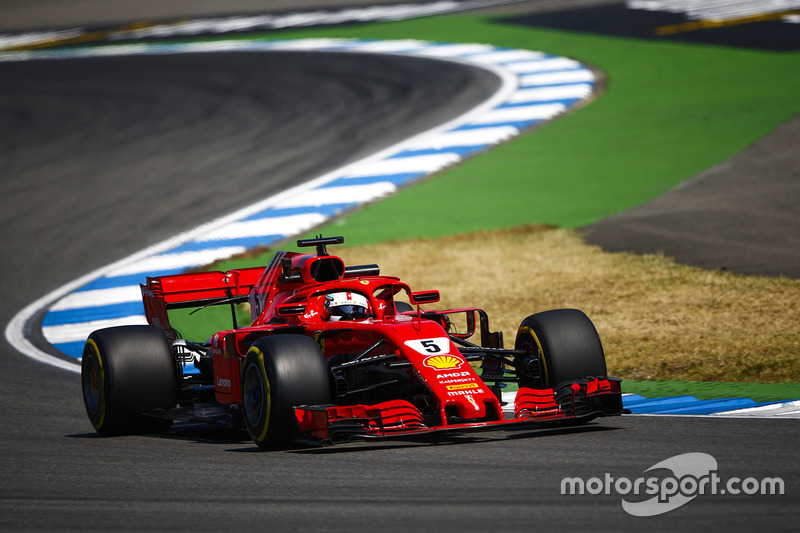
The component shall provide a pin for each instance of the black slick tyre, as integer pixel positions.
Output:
(568, 345)
(279, 373)
(125, 372)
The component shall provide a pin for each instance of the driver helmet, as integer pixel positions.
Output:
(346, 306)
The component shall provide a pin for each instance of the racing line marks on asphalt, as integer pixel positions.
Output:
(535, 88)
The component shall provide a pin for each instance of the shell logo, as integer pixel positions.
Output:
(442, 362)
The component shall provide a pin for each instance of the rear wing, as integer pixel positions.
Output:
(201, 289)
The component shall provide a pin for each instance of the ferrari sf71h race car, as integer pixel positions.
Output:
(338, 352)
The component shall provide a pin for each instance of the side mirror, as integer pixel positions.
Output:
(291, 310)
(424, 297)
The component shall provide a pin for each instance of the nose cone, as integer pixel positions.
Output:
(470, 408)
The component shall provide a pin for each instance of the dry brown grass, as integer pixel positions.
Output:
(657, 320)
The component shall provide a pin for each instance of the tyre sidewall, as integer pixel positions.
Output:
(94, 384)
(291, 371)
(135, 373)
(254, 374)
(568, 342)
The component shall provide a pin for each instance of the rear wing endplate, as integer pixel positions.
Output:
(201, 289)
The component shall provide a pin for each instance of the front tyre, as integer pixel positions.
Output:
(279, 373)
(125, 372)
(568, 347)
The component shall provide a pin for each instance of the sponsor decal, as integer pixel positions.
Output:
(443, 362)
(464, 386)
(216, 346)
(457, 380)
(452, 375)
(223, 383)
(467, 393)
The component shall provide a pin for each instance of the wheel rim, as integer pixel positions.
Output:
(530, 342)
(254, 396)
(92, 386)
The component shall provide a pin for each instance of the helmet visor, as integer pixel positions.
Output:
(349, 312)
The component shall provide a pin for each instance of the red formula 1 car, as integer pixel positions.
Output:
(338, 352)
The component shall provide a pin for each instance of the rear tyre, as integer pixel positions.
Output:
(126, 371)
(279, 373)
(568, 347)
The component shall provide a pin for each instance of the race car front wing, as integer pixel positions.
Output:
(570, 402)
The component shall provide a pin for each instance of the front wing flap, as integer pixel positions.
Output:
(570, 402)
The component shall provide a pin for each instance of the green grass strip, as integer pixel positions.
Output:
(759, 392)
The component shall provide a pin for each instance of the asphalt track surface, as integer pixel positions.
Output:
(101, 158)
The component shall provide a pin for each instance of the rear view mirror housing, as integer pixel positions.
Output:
(291, 309)
(424, 297)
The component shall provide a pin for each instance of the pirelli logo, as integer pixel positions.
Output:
(463, 386)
